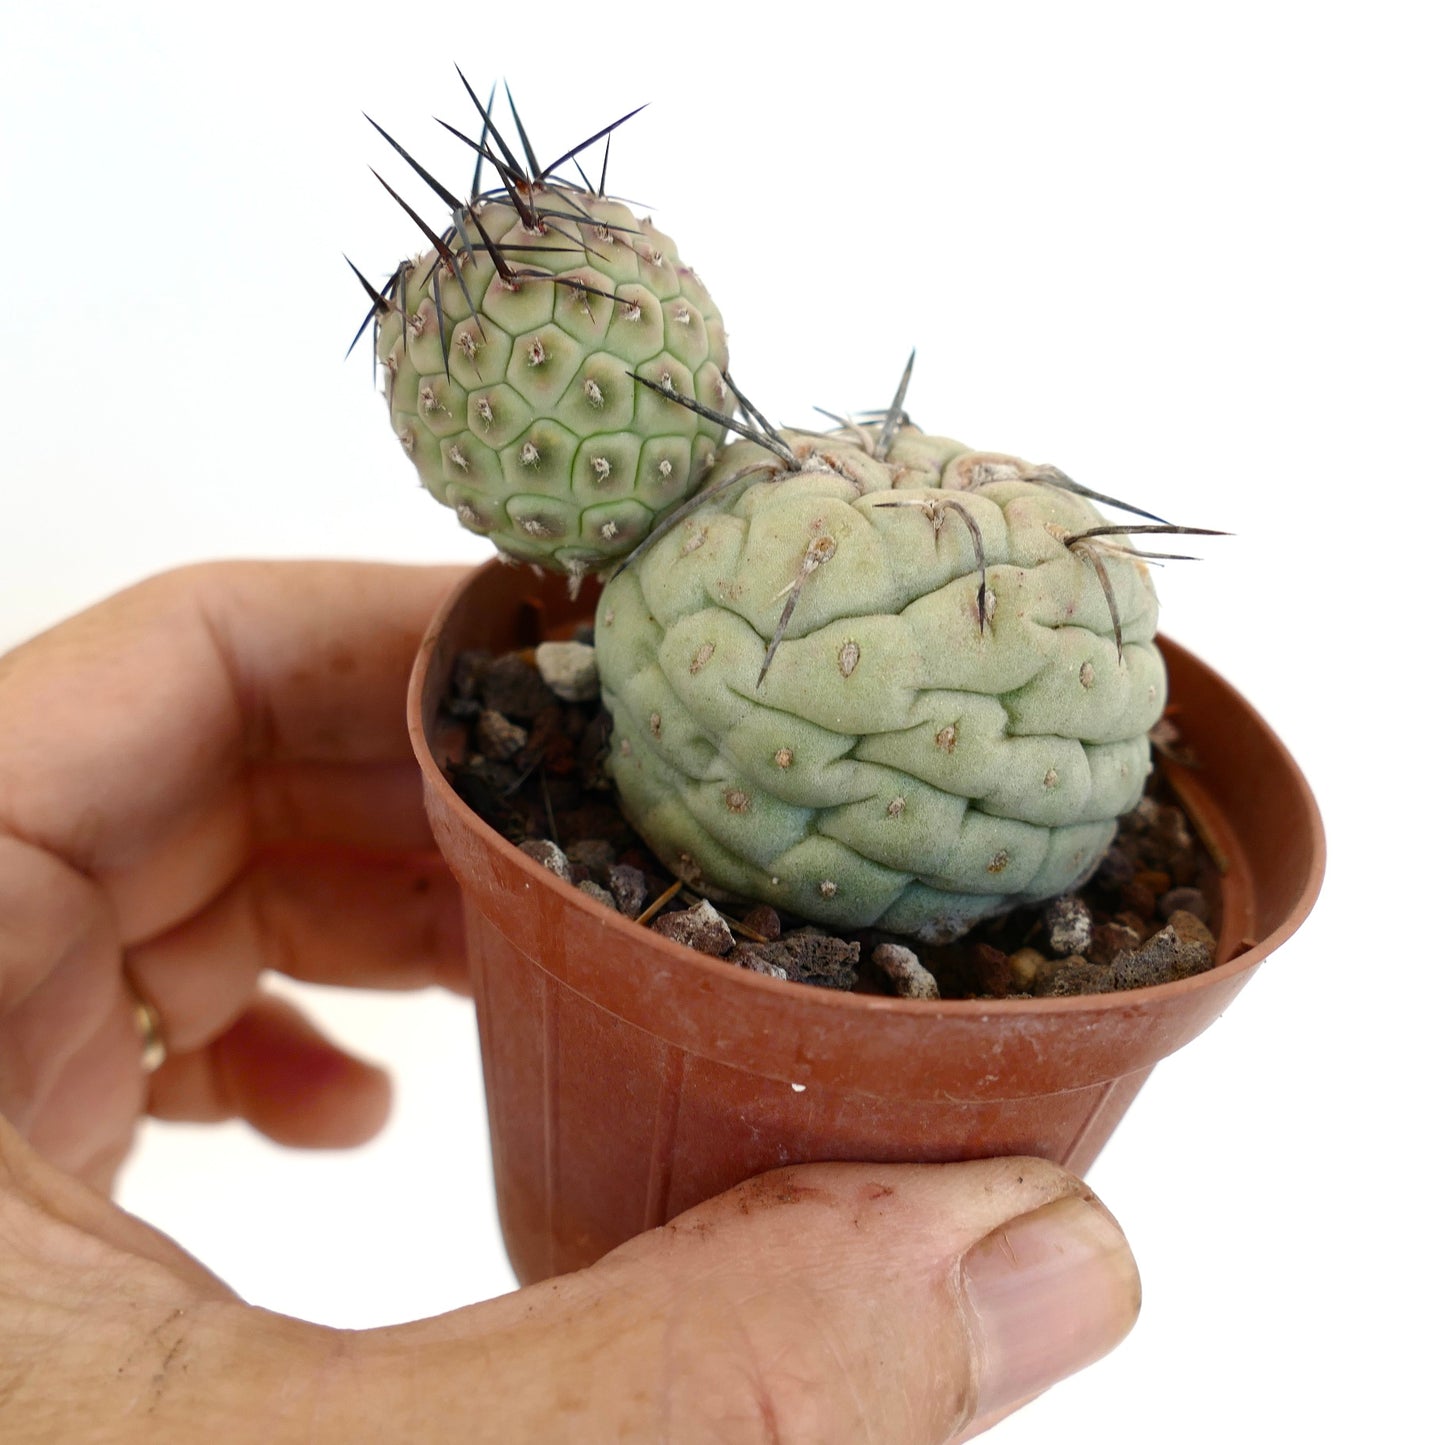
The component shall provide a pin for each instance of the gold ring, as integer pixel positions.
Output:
(148, 1026)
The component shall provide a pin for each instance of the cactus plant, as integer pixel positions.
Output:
(876, 677)
(871, 677)
(511, 352)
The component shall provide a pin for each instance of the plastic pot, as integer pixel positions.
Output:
(629, 1078)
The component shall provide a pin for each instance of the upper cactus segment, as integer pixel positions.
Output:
(906, 689)
(511, 350)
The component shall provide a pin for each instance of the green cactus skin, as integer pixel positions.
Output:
(514, 399)
(901, 764)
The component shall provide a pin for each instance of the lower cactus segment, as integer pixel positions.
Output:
(906, 693)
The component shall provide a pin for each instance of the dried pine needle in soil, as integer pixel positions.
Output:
(529, 761)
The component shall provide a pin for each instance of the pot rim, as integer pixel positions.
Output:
(973, 1009)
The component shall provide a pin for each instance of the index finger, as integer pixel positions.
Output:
(124, 724)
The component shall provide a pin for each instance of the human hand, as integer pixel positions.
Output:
(203, 778)
(913, 1304)
(208, 776)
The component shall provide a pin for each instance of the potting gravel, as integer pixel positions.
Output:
(529, 760)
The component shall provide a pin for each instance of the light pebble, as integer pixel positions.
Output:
(569, 669)
(907, 974)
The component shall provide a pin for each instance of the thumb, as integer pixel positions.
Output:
(903, 1303)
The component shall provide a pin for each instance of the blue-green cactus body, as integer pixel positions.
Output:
(514, 395)
(903, 762)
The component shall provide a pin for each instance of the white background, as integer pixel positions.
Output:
(1189, 254)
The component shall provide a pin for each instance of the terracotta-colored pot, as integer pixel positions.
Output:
(629, 1078)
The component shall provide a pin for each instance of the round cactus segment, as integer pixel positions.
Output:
(903, 691)
(524, 338)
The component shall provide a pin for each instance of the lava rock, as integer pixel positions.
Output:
(902, 968)
(1182, 948)
(496, 738)
(596, 855)
(1064, 977)
(549, 855)
(764, 920)
(988, 971)
(1144, 817)
(1137, 897)
(1115, 870)
(1198, 945)
(1168, 840)
(628, 886)
(700, 927)
(514, 688)
(468, 672)
(754, 960)
(806, 956)
(597, 891)
(1185, 900)
(1069, 925)
(1111, 939)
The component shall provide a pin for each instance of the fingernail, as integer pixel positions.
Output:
(1051, 1291)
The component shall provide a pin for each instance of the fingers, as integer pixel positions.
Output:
(908, 1303)
(50, 914)
(151, 746)
(275, 1070)
(201, 671)
(361, 805)
(376, 806)
(942, 1298)
(54, 1220)
(321, 916)
(319, 653)
(58, 985)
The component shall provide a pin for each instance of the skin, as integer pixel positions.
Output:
(207, 778)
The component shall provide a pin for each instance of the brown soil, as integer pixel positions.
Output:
(531, 767)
